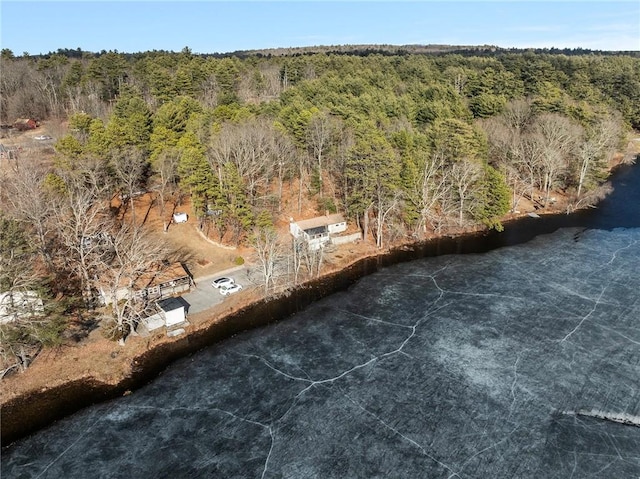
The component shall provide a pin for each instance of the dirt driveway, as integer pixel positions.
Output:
(204, 256)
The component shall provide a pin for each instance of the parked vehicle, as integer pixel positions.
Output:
(227, 290)
(224, 281)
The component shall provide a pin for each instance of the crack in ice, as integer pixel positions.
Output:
(233, 415)
(369, 318)
(406, 438)
(614, 255)
(86, 431)
(491, 446)
(322, 382)
(597, 302)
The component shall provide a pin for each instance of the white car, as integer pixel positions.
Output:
(42, 137)
(224, 281)
(227, 290)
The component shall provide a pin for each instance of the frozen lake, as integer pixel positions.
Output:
(458, 366)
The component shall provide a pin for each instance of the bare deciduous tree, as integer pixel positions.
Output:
(463, 175)
(165, 168)
(29, 202)
(311, 258)
(321, 132)
(555, 138)
(596, 149)
(431, 190)
(285, 153)
(268, 251)
(82, 215)
(129, 165)
(511, 148)
(249, 147)
(132, 255)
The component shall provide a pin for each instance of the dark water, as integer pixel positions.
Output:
(463, 366)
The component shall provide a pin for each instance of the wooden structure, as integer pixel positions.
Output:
(158, 283)
(26, 124)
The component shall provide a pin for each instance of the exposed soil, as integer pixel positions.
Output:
(99, 359)
(103, 360)
(204, 256)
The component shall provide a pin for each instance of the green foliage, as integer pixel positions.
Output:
(37, 322)
(327, 204)
(237, 213)
(131, 122)
(15, 252)
(174, 115)
(455, 140)
(412, 149)
(238, 260)
(227, 74)
(371, 172)
(405, 123)
(98, 141)
(29, 334)
(264, 220)
(80, 122)
(6, 54)
(295, 118)
(109, 70)
(438, 101)
(74, 76)
(493, 199)
(195, 172)
(54, 183)
(550, 99)
(233, 112)
(486, 104)
(68, 149)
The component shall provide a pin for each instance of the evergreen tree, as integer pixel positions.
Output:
(493, 198)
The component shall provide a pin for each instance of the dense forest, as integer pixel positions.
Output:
(404, 143)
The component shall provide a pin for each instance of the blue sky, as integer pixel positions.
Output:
(217, 26)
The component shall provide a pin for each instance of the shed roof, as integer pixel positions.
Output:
(170, 304)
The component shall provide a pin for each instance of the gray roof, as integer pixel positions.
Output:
(169, 304)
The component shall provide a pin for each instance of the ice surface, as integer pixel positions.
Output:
(456, 367)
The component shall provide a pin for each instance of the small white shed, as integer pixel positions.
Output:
(173, 311)
(180, 217)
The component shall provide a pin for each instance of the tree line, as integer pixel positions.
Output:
(406, 145)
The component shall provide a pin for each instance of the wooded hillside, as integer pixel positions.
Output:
(405, 144)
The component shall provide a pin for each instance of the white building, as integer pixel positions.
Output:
(171, 313)
(317, 231)
(19, 304)
(173, 310)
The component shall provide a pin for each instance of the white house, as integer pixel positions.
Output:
(19, 304)
(317, 231)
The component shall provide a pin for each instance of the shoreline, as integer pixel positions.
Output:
(26, 410)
